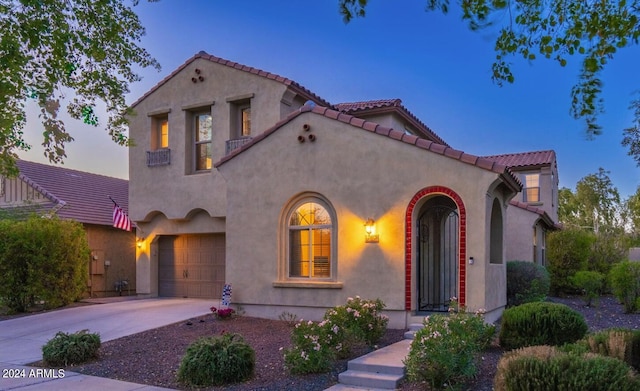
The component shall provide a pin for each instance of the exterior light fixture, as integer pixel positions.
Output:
(370, 236)
(139, 242)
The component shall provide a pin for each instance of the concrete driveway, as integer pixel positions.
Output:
(21, 339)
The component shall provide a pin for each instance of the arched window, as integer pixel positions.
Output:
(310, 240)
(496, 249)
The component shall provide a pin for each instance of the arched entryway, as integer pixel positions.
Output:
(435, 250)
(437, 231)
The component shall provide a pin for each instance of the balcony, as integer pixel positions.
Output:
(160, 157)
(235, 144)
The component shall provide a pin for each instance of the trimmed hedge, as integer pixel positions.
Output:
(541, 323)
(217, 361)
(543, 368)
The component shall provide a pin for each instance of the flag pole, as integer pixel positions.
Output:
(134, 225)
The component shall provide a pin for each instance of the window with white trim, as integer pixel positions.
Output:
(531, 189)
(202, 140)
(310, 240)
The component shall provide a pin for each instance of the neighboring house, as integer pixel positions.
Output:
(534, 210)
(241, 176)
(83, 197)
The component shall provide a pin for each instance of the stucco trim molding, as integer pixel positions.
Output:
(462, 245)
(308, 284)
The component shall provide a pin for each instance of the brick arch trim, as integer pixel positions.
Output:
(462, 237)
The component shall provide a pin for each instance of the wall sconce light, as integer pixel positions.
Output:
(139, 242)
(370, 236)
(471, 260)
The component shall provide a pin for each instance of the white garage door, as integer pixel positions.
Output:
(191, 266)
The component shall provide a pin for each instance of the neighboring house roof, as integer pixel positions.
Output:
(543, 215)
(297, 88)
(525, 160)
(76, 195)
(398, 135)
(385, 106)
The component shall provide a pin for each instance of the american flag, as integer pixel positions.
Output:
(120, 219)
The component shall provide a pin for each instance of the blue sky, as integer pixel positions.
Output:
(438, 67)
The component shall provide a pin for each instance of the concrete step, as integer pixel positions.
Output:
(413, 328)
(342, 387)
(380, 369)
(381, 381)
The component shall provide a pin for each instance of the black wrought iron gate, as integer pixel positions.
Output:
(437, 254)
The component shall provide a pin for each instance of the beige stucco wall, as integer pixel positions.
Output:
(117, 248)
(519, 235)
(362, 175)
(172, 189)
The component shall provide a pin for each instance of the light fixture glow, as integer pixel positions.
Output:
(370, 236)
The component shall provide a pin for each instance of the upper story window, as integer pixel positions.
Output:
(159, 153)
(310, 240)
(160, 138)
(531, 189)
(245, 121)
(202, 138)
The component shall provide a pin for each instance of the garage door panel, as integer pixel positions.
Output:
(191, 266)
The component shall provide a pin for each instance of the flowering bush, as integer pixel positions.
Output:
(223, 313)
(360, 321)
(312, 347)
(316, 345)
(443, 352)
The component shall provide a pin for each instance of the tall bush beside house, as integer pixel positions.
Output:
(624, 278)
(42, 259)
(568, 252)
(526, 282)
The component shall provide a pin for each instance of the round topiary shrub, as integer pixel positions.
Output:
(68, 349)
(215, 361)
(541, 323)
(545, 368)
(526, 282)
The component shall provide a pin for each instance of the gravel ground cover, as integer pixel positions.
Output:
(153, 357)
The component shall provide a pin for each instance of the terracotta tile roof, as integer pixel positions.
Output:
(543, 215)
(388, 105)
(401, 136)
(77, 195)
(297, 88)
(525, 159)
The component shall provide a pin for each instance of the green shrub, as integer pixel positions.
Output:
(624, 278)
(217, 361)
(526, 282)
(622, 344)
(42, 259)
(589, 283)
(361, 320)
(541, 368)
(540, 324)
(69, 349)
(568, 252)
(443, 353)
(315, 346)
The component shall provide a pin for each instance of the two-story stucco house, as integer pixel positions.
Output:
(244, 177)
